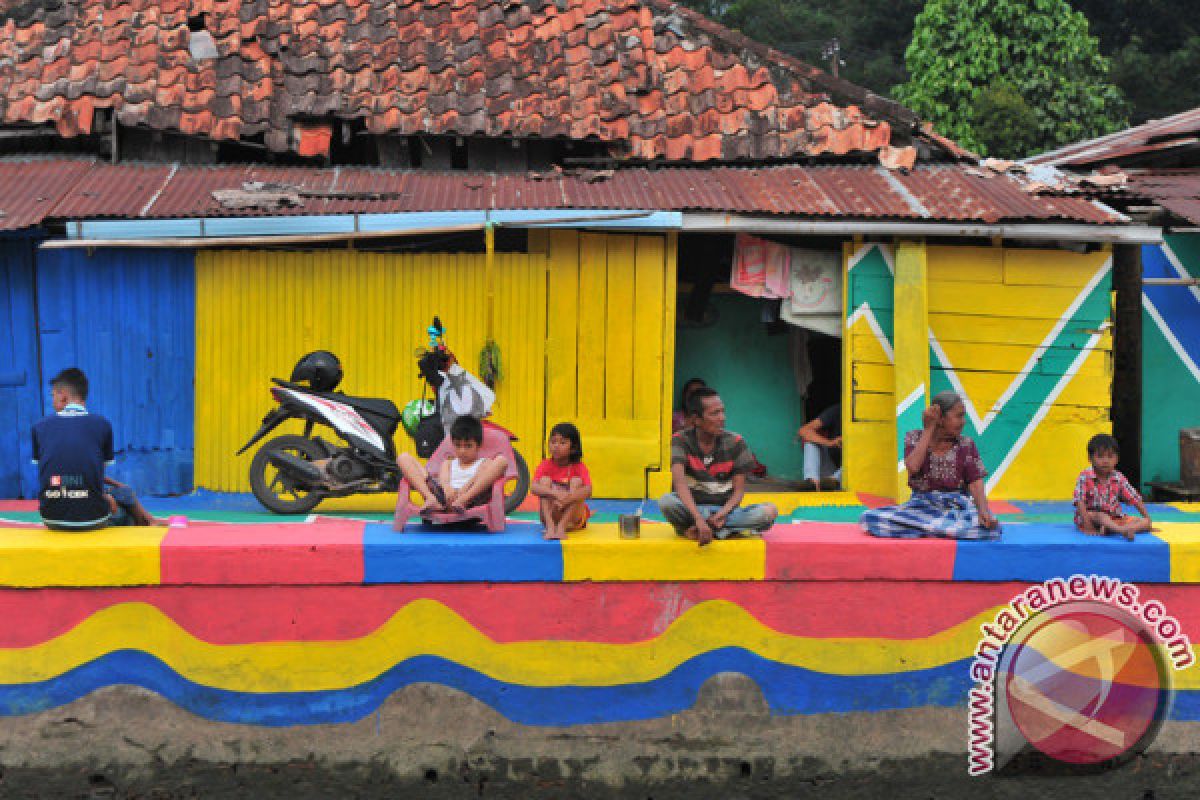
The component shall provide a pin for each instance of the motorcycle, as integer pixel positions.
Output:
(291, 474)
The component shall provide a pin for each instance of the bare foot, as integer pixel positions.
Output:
(1094, 533)
(691, 533)
(1128, 534)
(552, 535)
(431, 507)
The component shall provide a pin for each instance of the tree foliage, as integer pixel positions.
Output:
(1040, 49)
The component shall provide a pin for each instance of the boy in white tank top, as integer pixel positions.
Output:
(462, 482)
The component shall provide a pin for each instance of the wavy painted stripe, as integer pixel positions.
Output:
(427, 628)
(787, 690)
(621, 612)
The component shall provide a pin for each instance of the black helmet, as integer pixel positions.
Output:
(320, 369)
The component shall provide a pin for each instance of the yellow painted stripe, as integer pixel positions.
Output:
(787, 502)
(107, 557)
(426, 627)
(1193, 508)
(1184, 540)
(660, 555)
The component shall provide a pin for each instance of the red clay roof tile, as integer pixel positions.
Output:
(624, 72)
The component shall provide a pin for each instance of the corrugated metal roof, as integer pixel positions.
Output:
(933, 193)
(30, 189)
(1155, 135)
(1178, 191)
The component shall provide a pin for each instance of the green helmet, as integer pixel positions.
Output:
(413, 412)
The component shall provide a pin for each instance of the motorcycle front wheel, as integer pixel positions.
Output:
(516, 488)
(278, 492)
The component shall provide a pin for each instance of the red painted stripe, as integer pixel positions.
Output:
(528, 612)
(825, 551)
(18, 505)
(260, 555)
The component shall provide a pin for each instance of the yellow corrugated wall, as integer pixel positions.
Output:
(257, 312)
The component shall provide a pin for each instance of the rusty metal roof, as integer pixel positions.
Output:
(1156, 136)
(941, 193)
(30, 190)
(1178, 191)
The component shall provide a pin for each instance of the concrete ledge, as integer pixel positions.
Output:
(819, 543)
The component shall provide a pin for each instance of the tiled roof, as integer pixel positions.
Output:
(944, 193)
(1156, 137)
(650, 78)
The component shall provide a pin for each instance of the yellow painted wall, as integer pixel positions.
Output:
(257, 312)
(1023, 334)
(610, 346)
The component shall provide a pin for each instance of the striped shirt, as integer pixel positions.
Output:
(710, 475)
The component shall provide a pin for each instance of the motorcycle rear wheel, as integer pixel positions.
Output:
(514, 494)
(276, 491)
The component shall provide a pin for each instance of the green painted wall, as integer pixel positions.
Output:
(1170, 387)
(752, 371)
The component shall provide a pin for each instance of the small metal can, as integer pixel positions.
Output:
(629, 525)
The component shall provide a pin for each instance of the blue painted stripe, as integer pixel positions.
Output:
(1041, 551)
(787, 690)
(430, 555)
(1178, 306)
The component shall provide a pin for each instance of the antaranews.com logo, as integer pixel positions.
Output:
(1077, 668)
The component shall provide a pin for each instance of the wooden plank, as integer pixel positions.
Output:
(593, 317)
(620, 320)
(1052, 267)
(648, 319)
(1001, 300)
(1017, 331)
(562, 325)
(969, 264)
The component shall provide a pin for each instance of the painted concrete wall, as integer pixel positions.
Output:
(1022, 335)
(1170, 354)
(753, 372)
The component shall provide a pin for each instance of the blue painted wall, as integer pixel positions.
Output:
(20, 392)
(127, 319)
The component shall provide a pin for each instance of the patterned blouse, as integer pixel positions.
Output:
(1104, 495)
(951, 471)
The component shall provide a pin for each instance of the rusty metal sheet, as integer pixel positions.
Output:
(30, 189)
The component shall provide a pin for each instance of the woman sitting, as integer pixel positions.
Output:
(946, 476)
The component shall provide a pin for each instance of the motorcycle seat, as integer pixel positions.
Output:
(372, 405)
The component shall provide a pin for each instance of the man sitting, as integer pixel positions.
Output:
(822, 437)
(71, 449)
(708, 471)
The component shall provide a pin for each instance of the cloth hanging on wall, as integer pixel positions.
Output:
(814, 290)
(760, 268)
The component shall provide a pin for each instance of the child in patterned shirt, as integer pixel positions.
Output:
(1100, 491)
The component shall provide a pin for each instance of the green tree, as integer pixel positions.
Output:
(1004, 123)
(1039, 49)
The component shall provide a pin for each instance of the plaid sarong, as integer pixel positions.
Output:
(945, 515)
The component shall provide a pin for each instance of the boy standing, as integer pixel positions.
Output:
(1100, 490)
(71, 449)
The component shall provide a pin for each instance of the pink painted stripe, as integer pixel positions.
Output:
(284, 554)
(624, 612)
(826, 551)
(18, 505)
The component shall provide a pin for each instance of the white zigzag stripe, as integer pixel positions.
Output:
(1042, 411)
(982, 423)
(864, 312)
(1169, 335)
